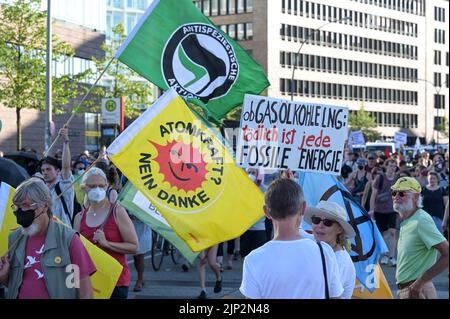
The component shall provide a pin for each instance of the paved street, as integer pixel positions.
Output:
(170, 282)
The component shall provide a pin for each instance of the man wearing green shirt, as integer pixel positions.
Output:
(418, 244)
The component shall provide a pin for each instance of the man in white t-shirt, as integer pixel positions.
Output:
(289, 266)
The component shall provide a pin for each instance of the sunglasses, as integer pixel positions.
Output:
(327, 222)
(400, 193)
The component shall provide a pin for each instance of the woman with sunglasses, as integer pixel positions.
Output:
(329, 224)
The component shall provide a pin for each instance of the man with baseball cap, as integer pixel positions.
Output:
(418, 243)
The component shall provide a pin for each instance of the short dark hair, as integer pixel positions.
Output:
(50, 161)
(284, 198)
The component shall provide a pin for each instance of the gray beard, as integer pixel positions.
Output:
(31, 230)
(402, 209)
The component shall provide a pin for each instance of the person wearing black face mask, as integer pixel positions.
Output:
(25, 218)
(41, 251)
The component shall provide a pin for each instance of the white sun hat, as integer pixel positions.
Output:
(333, 211)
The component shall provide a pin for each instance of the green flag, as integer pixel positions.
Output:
(140, 207)
(175, 45)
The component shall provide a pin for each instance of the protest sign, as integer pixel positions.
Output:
(400, 138)
(356, 138)
(282, 134)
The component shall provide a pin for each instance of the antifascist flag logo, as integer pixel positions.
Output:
(199, 62)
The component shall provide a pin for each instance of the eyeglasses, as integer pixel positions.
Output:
(15, 207)
(327, 222)
(400, 193)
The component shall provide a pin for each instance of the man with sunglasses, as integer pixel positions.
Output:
(418, 244)
(289, 266)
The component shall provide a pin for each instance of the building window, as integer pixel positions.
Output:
(439, 101)
(437, 79)
(232, 31)
(249, 31)
(437, 57)
(231, 6)
(249, 5)
(214, 7)
(240, 32)
(240, 6)
(223, 7)
(206, 8)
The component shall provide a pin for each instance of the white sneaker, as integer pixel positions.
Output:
(393, 261)
(384, 260)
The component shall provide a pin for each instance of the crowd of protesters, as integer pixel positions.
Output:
(281, 260)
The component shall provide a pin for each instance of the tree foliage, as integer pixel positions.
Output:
(443, 127)
(23, 62)
(361, 120)
(124, 81)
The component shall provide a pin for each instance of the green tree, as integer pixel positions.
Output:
(23, 64)
(361, 120)
(124, 81)
(443, 127)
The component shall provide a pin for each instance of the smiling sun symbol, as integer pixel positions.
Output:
(182, 165)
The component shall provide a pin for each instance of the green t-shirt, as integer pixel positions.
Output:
(418, 235)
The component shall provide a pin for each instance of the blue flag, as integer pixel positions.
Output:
(368, 244)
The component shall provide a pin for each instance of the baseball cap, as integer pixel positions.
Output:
(361, 162)
(406, 184)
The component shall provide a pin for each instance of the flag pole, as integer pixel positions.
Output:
(79, 104)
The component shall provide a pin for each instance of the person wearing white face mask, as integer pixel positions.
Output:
(108, 226)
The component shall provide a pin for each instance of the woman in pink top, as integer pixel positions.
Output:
(108, 226)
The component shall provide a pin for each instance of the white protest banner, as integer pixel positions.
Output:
(282, 134)
(400, 138)
(356, 138)
(111, 111)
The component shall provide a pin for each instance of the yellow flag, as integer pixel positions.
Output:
(108, 270)
(383, 291)
(187, 173)
(7, 218)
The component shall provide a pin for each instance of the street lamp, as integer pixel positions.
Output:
(301, 46)
(438, 107)
(48, 77)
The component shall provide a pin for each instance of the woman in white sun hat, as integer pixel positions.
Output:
(329, 224)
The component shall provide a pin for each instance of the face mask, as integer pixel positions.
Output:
(96, 195)
(80, 172)
(439, 166)
(25, 217)
(85, 162)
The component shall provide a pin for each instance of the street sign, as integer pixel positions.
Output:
(111, 111)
